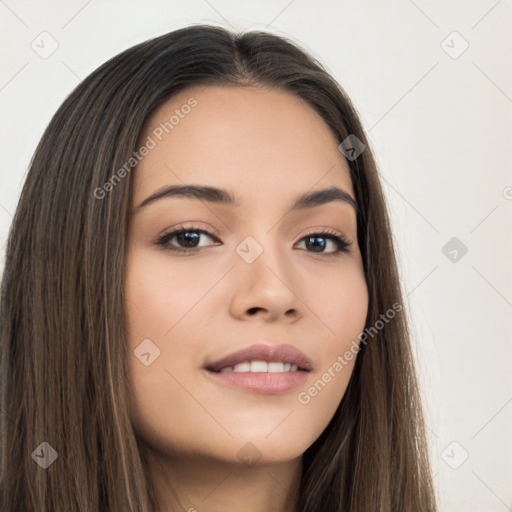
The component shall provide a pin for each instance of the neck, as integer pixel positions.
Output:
(211, 485)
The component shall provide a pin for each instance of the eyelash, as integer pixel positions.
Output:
(341, 242)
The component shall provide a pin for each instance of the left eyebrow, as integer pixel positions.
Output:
(224, 197)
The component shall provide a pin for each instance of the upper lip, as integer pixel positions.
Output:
(270, 353)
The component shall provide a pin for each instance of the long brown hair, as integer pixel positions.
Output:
(64, 365)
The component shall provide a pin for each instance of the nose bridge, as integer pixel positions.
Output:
(261, 249)
(264, 264)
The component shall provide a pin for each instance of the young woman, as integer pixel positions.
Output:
(201, 308)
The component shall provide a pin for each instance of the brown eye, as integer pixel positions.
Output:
(317, 242)
(187, 239)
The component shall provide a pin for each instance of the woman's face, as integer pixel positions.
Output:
(259, 274)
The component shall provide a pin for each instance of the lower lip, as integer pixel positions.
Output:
(265, 383)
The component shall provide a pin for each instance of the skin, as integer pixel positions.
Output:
(266, 147)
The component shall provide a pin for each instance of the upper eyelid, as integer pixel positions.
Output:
(210, 231)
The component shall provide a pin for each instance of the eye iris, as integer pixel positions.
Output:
(318, 245)
(189, 237)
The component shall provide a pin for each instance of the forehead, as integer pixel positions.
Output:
(249, 139)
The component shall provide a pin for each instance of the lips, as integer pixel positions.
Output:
(284, 353)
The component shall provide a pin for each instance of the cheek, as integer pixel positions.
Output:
(343, 310)
(160, 302)
(342, 304)
(159, 294)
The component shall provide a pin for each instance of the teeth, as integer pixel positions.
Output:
(275, 367)
(242, 367)
(260, 367)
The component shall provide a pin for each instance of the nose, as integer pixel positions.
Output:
(265, 289)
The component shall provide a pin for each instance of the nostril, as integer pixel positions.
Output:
(254, 310)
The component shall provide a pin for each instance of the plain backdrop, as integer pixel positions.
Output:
(432, 82)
